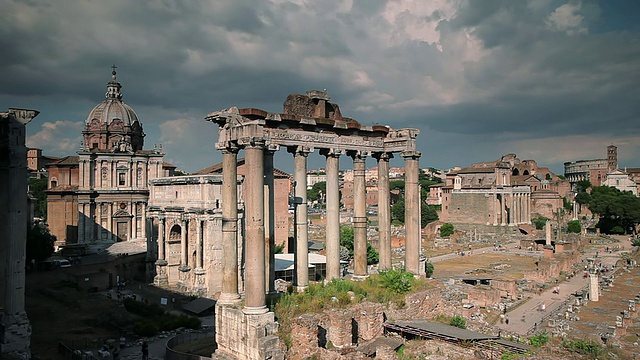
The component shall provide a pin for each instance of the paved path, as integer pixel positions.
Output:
(526, 316)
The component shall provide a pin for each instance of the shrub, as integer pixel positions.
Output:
(539, 222)
(635, 242)
(459, 322)
(146, 328)
(398, 281)
(428, 269)
(539, 340)
(446, 230)
(617, 230)
(588, 347)
(574, 226)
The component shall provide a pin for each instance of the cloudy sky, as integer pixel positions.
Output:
(553, 81)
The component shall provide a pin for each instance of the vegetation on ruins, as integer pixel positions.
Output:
(446, 230)
(37, 188)
(459, 322)
(539, 340)
(155, 319)
(428, 213)
(388, 287)
(539, 222)
(574, 226)
(584, 347)
(346, 241)
(39, 243)
(428, 269)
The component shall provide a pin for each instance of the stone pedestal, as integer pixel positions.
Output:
(199, 288)
(15, 336)
(247, 336)
(183, 278)
(161, 279)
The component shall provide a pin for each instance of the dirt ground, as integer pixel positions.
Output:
(513, 266)
(58, 312)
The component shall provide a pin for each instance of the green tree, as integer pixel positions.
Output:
(446, 230)
(539, 222)
(316, 190)
(574, 226)
(583, 198)
(39, 242)
(617, 209)
(459, 322)
(397, 211)
(37, 188)
(583, 185)
(428, 214)
(346, 241)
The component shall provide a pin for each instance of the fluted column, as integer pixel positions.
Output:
(502, 209)
(300, 154)
(333, 214)
(494, 207)
(161, 278)
(359, 215)
(270, 216)
(412, 211)
(384, 211)
(255, 299)
(229, 292)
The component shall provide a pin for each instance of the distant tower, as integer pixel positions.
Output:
(612, 157)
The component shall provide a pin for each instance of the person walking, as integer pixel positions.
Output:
(145, 350)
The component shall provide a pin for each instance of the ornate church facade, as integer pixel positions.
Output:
(110, 186)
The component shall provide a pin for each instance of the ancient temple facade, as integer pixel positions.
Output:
(110, 186)
(308, 123)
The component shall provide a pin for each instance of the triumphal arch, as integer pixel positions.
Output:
(308, 123)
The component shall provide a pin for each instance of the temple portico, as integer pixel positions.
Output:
(308, 123)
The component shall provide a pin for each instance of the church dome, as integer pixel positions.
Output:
(113, 108)
(113, 125)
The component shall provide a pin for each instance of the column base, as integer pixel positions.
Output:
(359, 277)
(255, 310)
(229, 299)
(301, 289)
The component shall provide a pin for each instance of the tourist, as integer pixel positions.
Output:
(145, 350)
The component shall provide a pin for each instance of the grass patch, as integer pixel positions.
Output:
(388, 287)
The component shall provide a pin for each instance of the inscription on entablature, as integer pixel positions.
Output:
(283, 137)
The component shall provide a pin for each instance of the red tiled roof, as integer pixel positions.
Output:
(67, 160)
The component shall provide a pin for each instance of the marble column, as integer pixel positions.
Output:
(161, 278)
(412, 211)
(229, 292)
(333, 214)
(300, 154)
(198, 263)
(184, 248)
(270, 216)
(384, 211)
(255, 299)
(495, 206)
(503, 209)
(359, 215)
(144, 221)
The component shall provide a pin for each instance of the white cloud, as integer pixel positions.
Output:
(54, 136)
(567, 18)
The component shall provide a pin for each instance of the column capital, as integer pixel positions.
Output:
(331, 152)
(228, 147)
(300, 150)
(252, 142)
(411, 154)
(358, 154)
(269, 149)
(383, 156)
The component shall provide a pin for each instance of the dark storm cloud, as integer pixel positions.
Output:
(526, 71)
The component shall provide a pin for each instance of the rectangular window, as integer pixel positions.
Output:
(121, 179)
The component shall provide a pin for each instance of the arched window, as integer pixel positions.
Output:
(515, 172)
(176, 233)
(526, 172)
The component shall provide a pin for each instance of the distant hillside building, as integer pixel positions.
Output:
(594, 171)
(107, 183)
(622, 181)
